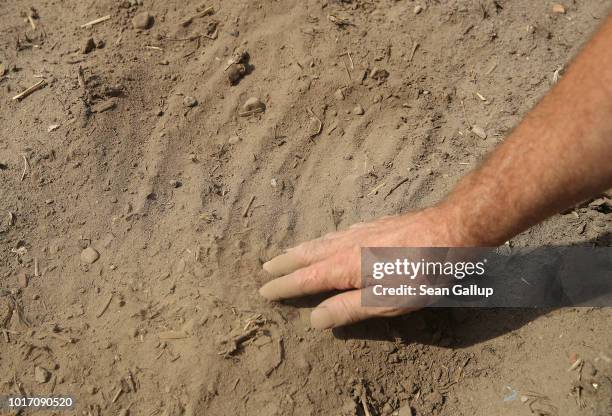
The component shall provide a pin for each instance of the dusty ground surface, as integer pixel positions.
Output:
(141, 149)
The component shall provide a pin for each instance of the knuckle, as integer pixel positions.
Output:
(309, 277)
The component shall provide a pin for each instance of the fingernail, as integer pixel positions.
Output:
(279, 288)
(282, 264)
(321, 318)
(268, 291)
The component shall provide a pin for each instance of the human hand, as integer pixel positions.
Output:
(333, 262)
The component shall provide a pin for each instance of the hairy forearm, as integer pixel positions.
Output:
(559, 155)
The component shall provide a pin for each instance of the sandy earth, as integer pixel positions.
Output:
(142, 150)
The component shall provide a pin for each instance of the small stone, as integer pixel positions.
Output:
(189, 101)
(142, 20)
(41, 375)
(88, 46)
(254, 104)
(89, 255)
(558, 8)
(339, 95)
(404, 411)
(418, 9)
(479, 131)
(358, 110)
(273, 182)
(233, 140)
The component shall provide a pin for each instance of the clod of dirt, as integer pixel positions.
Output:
(189, 101)
(103, 106)
(479, 131)
(404, 411)
(88, 46)
(175, 184)
(254, 104)
(142, 20)
(235, 73)
(89, 255)
(558, 8)
(358, 110)
(41, 375)
(349, 408)
(23, 280)
(379, 74)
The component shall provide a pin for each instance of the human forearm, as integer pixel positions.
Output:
(559, 155)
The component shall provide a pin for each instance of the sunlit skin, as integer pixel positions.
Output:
(559, 155)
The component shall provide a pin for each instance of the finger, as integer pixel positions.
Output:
(304, 254)
(284, 264)
(345, 308)
(338, 272)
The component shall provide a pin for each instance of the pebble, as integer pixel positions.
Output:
(88, 46)
(41, 375)
(233, 140)
(339, 95)
(558, 8)
(89, 255)
(479, 131)
(358, 110)
(418, 9)
(189, 101)
(254, 104)
(142, 20)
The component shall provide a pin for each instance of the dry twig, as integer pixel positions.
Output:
(30, 90)
(96, 21)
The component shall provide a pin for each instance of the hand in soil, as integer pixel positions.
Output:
(333, 262)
